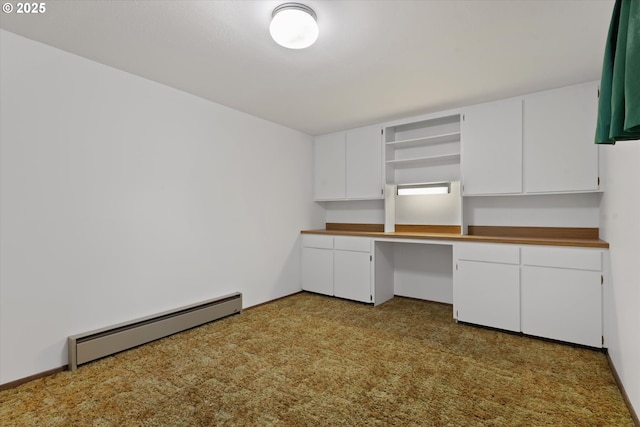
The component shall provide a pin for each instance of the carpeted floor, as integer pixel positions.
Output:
(309, 360)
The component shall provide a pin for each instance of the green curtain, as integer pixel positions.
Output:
(619, 108)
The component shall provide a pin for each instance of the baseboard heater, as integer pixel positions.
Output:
(103, 342)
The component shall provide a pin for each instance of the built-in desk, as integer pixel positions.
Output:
(548, 236)
(546, 285)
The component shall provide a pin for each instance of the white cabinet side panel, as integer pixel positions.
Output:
(382, 279)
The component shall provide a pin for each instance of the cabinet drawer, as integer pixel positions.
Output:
(317, 241)
(488, 252)
(581, 259)
(357, 244)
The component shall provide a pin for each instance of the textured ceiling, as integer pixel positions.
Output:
(374, 60)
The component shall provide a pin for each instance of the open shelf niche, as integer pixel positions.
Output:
(423, 150)
(419, 150)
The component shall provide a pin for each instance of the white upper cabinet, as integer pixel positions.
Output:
(536, 144)
(348, 165)
(364, 163)
(329, 166)
(559, 150)
(491, 159)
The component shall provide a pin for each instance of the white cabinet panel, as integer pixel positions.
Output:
(488, 252)
(562, 304)
(491, 160)
(579, 258)
(487, 294)
(329, 168)
(559, 150)
(423, 149)
(364, 163)
(340, 266)
(317, 241)
(352, 278)
(360, 244)
(317, 270)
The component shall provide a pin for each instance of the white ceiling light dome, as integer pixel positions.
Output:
(294, 26)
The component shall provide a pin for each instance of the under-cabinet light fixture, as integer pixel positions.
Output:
(424, 188)
(294, 26)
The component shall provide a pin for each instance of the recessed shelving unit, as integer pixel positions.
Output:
(423, 150)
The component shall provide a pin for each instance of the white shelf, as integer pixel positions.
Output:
(436, 139)
(423, 150)
(445, 158)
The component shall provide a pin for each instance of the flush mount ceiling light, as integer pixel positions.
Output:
(294, 26)
(426, 188)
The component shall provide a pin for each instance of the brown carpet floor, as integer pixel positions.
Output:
(309, 360)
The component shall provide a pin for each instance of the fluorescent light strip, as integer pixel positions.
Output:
(422, 189)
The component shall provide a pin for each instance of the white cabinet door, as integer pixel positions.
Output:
(491, 158)
(487, 294)
(364, 163)
(352, 278)
(562, 304)
(559, 150)
(329, 167)
(317, 270)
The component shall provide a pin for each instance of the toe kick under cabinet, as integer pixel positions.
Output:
(544, 291)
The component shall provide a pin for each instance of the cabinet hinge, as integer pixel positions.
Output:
(598, 181)
(602, 339)
(370, 257)
(463, 117)
(382, 191)
(456, 266)
(381, 131)
(371, 298)
(602, 279)
(598, 92)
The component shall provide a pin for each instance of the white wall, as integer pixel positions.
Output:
(423, 271)
(432, 209)
(549, 210)
(620, 226)
(121, 197)
(355, 211)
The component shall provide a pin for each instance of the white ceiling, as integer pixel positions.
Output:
(374, 60)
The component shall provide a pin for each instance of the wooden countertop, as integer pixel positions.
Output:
(528, 238)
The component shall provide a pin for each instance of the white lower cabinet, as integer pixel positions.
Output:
(544, 291)
(486, 285)
(562, 294)
(340, 266)
(352, 275)
(352, 263)
(317, 264)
